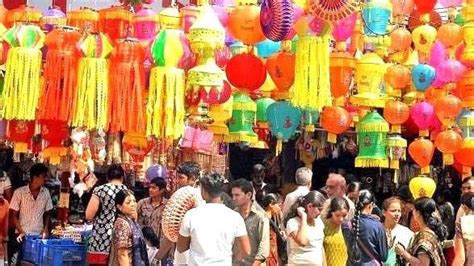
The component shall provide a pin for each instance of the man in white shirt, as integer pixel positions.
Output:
(303, 177)
(210, 239)
(467, 187)
(336, 187)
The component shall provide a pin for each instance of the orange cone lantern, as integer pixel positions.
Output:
(335, 120)
(447, 108)
(421, 151)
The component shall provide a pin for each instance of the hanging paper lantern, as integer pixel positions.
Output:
(220, 114)
(145, 24)
(422, 76)
(341, 67)
(467, 55)
(450, 71)
(83, 18)
(422, 186)
(281, 68)
(23, 14)
(424, 38)
(465, 87)
(396, 113)
(416, 19)
(246, 72)
(448, 142)
(53, 17)
(343, 28)
(170, 18)
(206, 34)
(261, 127)
(189, 14)
(421, 151)
(369, 75)
(115, 22)
(276, 18)
(267, 48)
(447, 108)
(450, 34)
(402, 7)
(20, 132)
(283, 120)
(424, 6)
(400, 39)
(396, 150)
(371, 134)
(221, 13)
(335, 120)
(54, 132)
(244, 24)
(398, 77)
(422, 114)
(241, 123)
(332, 10)
(376, 15)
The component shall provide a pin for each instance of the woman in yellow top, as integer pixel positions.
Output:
(334, 243)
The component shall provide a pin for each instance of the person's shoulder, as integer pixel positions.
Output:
(22, 189)
(142, 201)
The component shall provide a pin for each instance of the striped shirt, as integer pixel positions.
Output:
(30, 210)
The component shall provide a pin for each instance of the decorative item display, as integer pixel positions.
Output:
(371, 137)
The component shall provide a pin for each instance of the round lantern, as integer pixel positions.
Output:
(424, 6)
(115, 21)
(83, 18)
(246, 72)
(450, 71)
(244, 24)
(283, 120)
(450, 34)
(400, 39)
(281, 68)
(396, 113)
(465, 88)
(398, 77)
(396, 150)
(376, 14)
(371, 138)
(242, 121)
(341, 67)
(276, 18)
(335, 120)
(448, 142)
(145, 24)
(53, 17)
(137, 146)
(422, 76)
(447, 108)
(267, 48)
(369, 74)
(422, 186)
(422, 114)
(332, 10)
(424, 38)
(421, 151)
(467, 55)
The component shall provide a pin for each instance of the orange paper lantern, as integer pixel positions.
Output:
(448, 142)
(447, 108)
(465, 87)
(421, 151)
(84, 18)
(244, 24)
(400, 39)
(341, 69)
(281, 68)
(398, 77)
(396, 113)
(335, 120)
(450, 34)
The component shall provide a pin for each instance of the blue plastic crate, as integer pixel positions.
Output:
(30, 248)
(65, 255)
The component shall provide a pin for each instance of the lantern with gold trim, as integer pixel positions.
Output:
(20, 132)
(53, 17)
(396, 150)
(448, 142)
(23, 14)
(283, 120)
(84, 18)
(422, 186)
(371, 137)
(115, 22)
(145, 24)
(369, 75)
(242, 121)
(54, 132)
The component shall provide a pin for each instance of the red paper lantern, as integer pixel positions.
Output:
(425, 6)
(20, 132)
(447, 108)
(335, 120)
(421, 151)
(396, 113)
(448, 142)
(246, 72)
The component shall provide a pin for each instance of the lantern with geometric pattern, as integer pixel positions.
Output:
(371, 138)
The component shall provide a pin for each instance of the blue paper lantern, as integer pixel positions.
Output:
(376, 15)
(268, 47)
(283, 119)
(422, 75)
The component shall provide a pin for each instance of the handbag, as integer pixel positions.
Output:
(203, 140)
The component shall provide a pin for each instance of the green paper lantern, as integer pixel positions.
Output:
(371, 138)
(242, 121)
(262, 105)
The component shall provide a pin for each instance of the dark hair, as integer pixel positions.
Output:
(365, 198)
(269, 199)
(313, 197)
(115, 171)
(212, 183)
(337, 204)
(447, 195)
(468, 200)
(159, 182)
(190, 169)
(227, 200)
(245, 185)
(353, 187)
(120, 198)
(405, 194)
(467, 179)
(38, 169)
(426, 207)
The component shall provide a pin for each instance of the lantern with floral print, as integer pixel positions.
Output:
(335, 120)
(422, 186)
(283, 120)
(371, 137)
(421, 151)
(448, 142)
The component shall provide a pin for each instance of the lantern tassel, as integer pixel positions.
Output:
(448, 159)
(332, 138)
(395, 176)
(279, 147)
(394, 164)
(396, 129)
(425, 170)
(371, 163)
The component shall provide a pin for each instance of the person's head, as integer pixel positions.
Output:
(467, 185)
(303, 176)
(242, 192)
(353, 191)
(187, 173)
(312, 203)
(365, 201)
(258, 174)
(337, 211)
(125, 203)
(405, 195)
(38, 175)
(157, 187)
(426, 213)
(336, 185)
(211, 185)
(392, 210)
(272, 202)
(115, 172)
(467, 202)
(446, 195)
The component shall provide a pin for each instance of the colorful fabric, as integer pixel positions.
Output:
(465, 231)
(426, 242)
(122, 238)
(334, 246)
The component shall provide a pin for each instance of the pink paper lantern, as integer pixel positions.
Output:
(422, 114)
(221, 14)
(448, 3)
(437, 55)
(343, 28)
(450, 71)
(297, 13)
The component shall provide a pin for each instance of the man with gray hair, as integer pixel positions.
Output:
(303, 177)
(336, 187)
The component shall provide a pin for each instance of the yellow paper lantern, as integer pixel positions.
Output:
(369, 75)
(422, 186)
